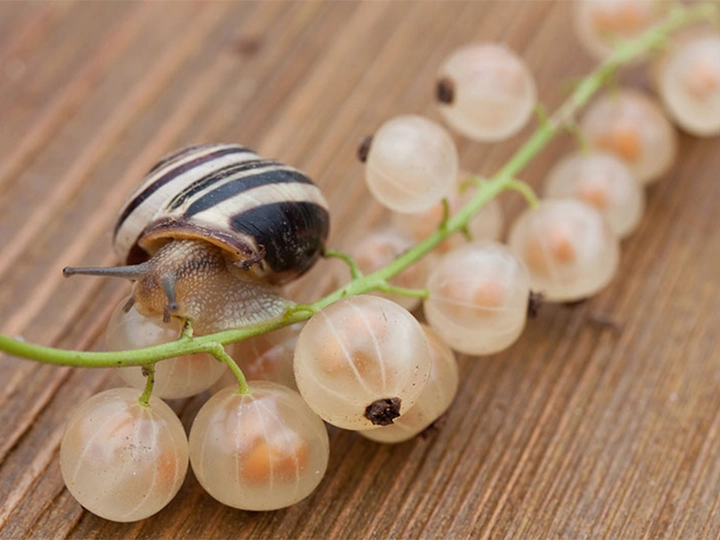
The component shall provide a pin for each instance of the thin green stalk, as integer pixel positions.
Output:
(504, 179)
(141, 357)
(403, 291)
(221, 354)
(526, 191)
(446, 213)
(355, 271)
(149, 372)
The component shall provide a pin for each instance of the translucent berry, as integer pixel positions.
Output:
(436, 397)
(486, 92)
(689, 85)
(175, 378)
(568, 247)
(261, 451)
(603, 181)
(411, 165)
(677, 40)
(601, 24)
(478, 296)
(361, 362)
(120, 460)
(632, 126)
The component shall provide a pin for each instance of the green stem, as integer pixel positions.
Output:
(504, 179)
(187, 330)
(221, 354)
(446, 213)
(355, 271)
(403, 291)
(583, 144)
(526, 191)
(149, 372)
(141, 357)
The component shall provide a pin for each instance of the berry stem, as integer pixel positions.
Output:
(402, 291)
(187, 330)
(526, 191)
(465, 231)
(574, 130)
(503, 180)
(446, 213)
(149, 372)
(355, 271)
(219, 352)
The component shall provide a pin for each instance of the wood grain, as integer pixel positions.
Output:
(580, 430)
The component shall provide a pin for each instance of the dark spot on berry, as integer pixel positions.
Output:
(364, 148)
(383, 411)
(535, 301)
(445, 91)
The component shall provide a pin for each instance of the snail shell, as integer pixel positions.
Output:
(269, 217)
(212, 230)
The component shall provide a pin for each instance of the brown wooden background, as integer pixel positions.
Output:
(578, 431)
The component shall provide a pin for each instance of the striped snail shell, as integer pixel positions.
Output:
(212, 230)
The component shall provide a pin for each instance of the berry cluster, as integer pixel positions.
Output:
(364, 362)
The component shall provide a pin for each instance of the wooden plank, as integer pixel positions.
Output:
(581, 429)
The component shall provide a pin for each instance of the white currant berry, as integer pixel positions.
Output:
(121, 460)
(568, 248)
(478, 298)
(411, 164)
(603, 181)
(689, 85)
(436, 397)
(261, 451)
(600, 24)
(175, 378)
(675, 41)
(486, 92)
(361, 362)
(631, 125)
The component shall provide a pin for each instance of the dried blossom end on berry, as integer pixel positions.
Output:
(383, 411)
(445, 90)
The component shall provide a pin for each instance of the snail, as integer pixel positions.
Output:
(212, 231)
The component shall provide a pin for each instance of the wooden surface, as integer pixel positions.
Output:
(580, 430)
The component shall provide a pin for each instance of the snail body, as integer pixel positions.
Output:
(211, 232)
